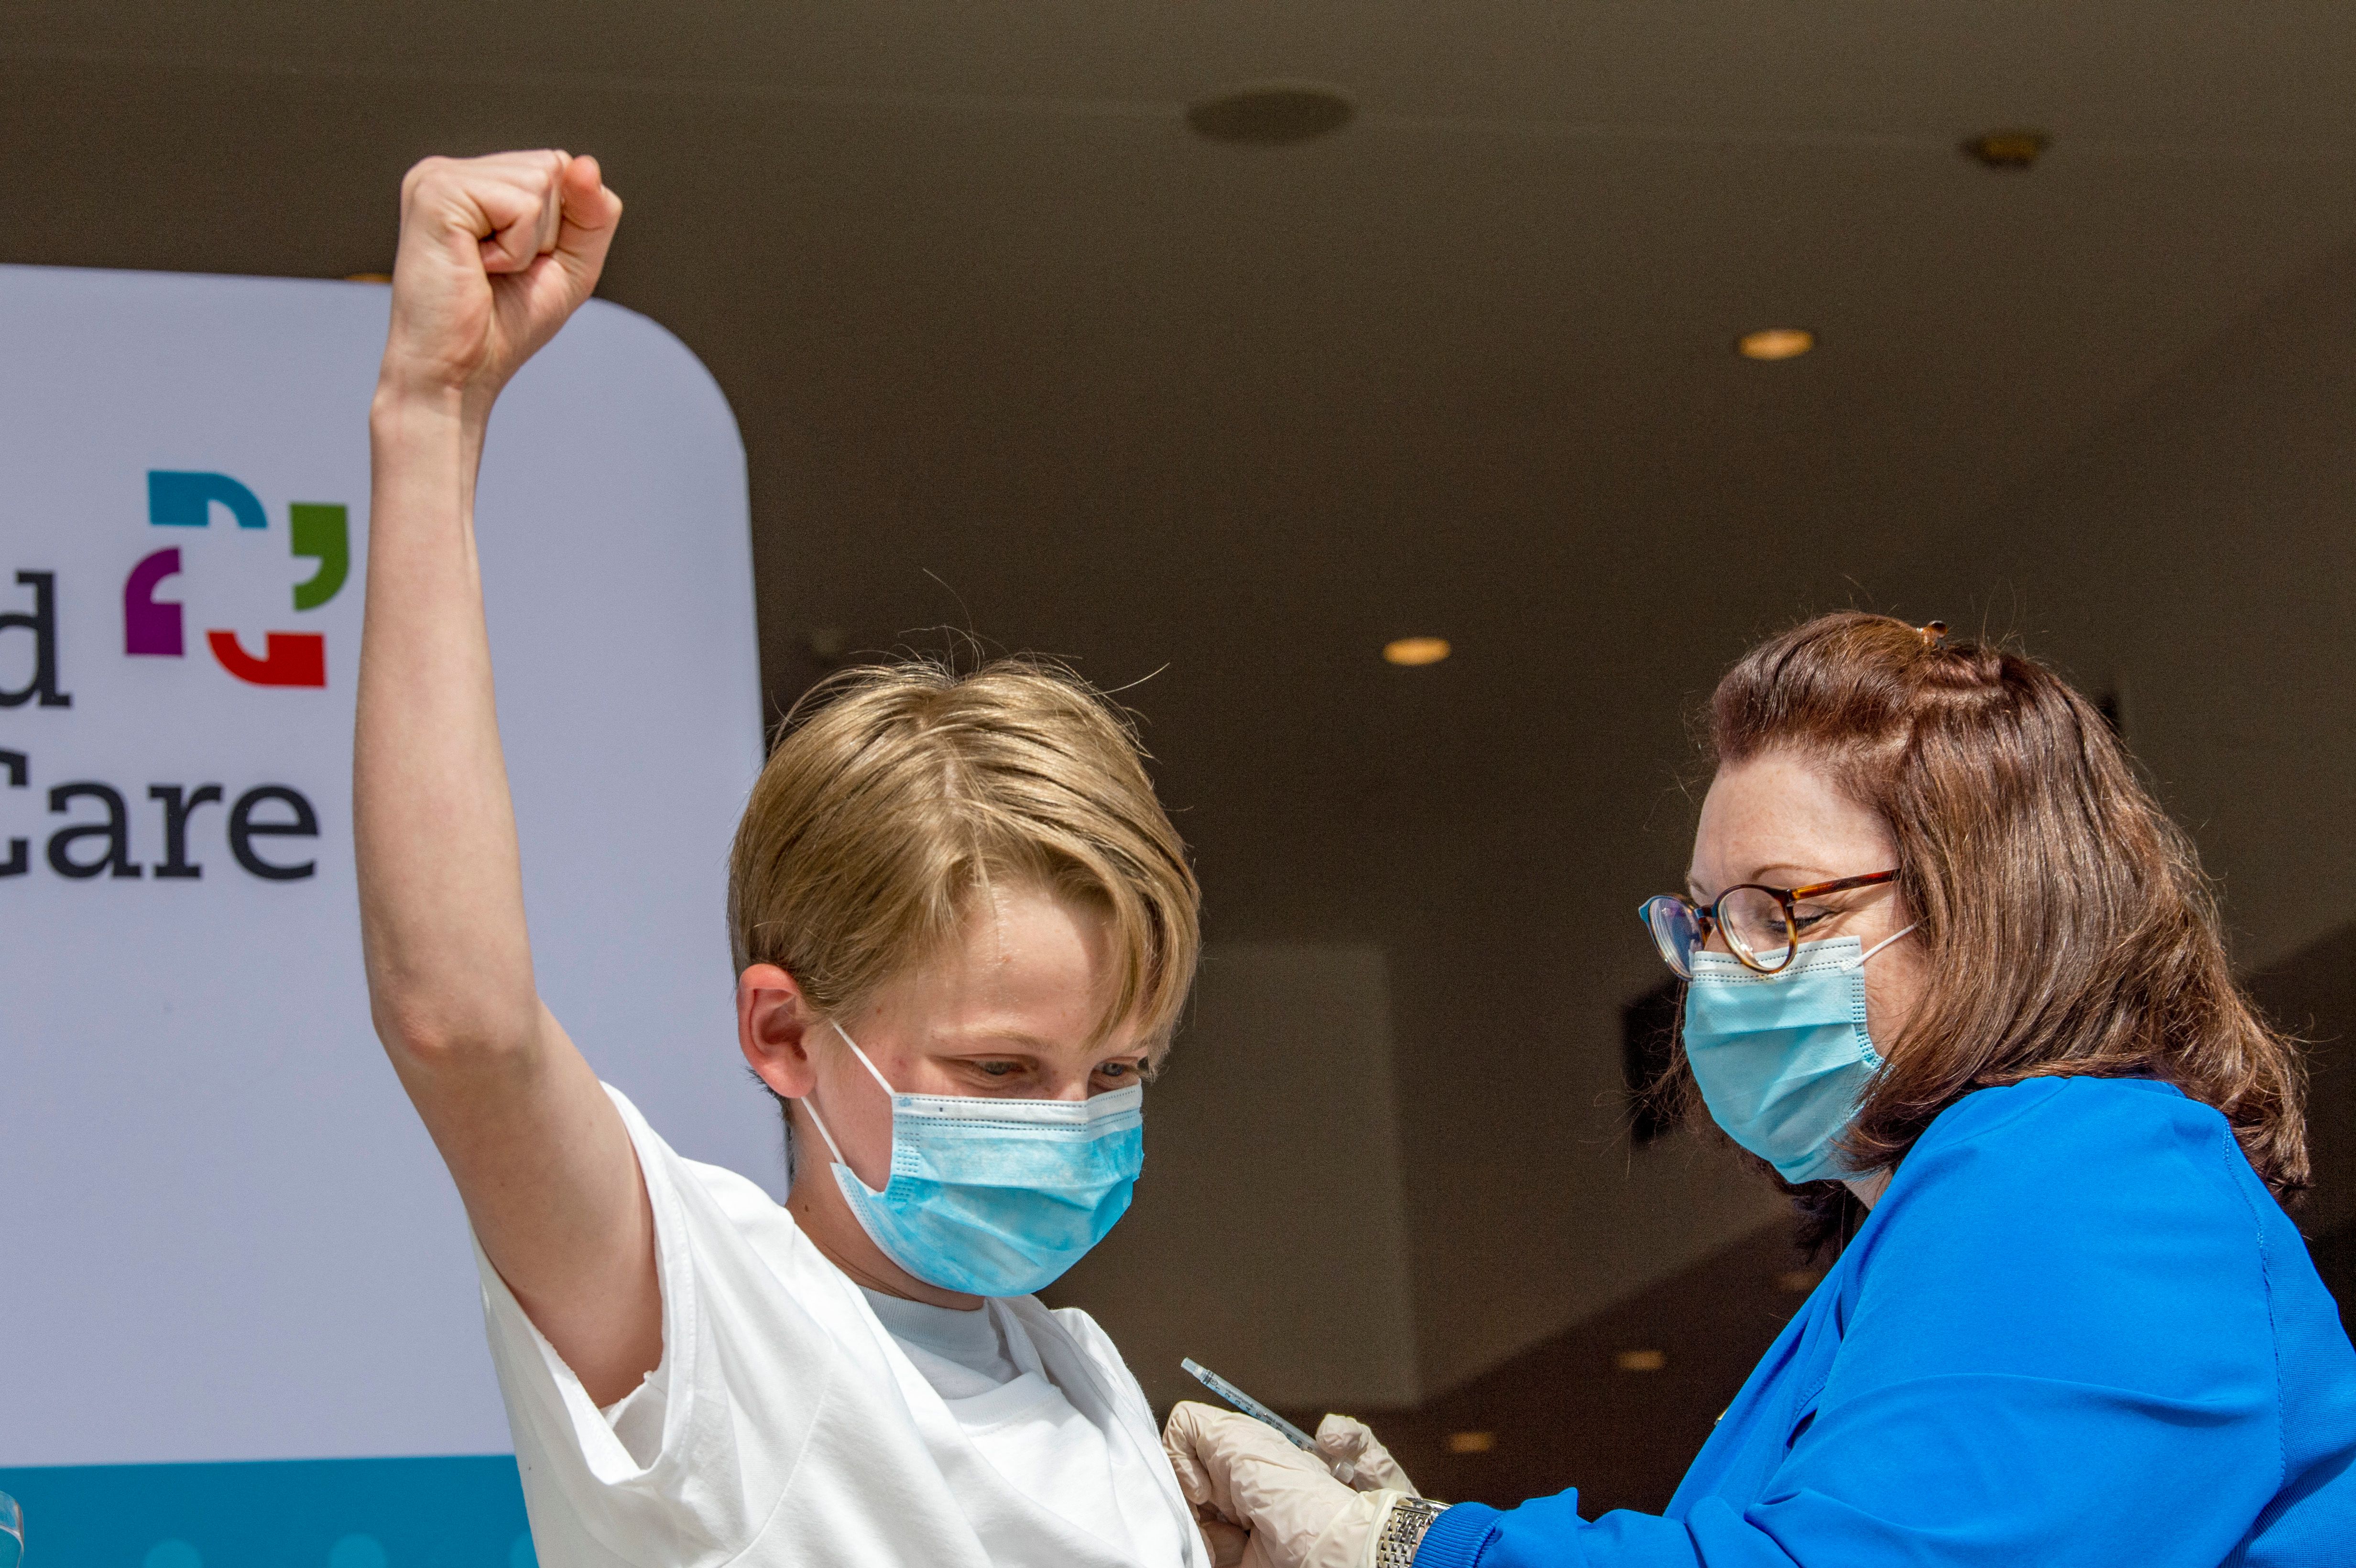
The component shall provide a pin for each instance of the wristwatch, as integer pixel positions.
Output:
(1402, 1531)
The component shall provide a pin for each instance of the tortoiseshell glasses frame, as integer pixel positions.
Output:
(1762, 924)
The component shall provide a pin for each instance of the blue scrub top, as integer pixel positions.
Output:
(2076, 1331)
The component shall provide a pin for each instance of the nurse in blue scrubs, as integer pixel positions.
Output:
(1955, 977)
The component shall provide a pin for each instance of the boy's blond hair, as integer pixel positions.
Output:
(895, 792)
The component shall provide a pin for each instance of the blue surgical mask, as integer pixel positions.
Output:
(1784, 1059)
(996, 1197)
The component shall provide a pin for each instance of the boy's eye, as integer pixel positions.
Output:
(1117, 1069)
(996, 1069)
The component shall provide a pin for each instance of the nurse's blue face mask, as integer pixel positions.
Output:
(1783, 1059)
(996, 1197)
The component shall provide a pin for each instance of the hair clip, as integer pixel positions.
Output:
(1932, 633)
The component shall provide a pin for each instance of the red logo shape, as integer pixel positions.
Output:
(292, 658)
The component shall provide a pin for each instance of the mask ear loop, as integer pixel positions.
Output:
(1868, 954)
(889, 1092)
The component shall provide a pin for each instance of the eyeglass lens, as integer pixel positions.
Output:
(1675, 931)
(1752, 919)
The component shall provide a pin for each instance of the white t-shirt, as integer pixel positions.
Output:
(789, 1425)
(987, 1372)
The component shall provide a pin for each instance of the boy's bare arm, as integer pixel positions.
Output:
(495, 254)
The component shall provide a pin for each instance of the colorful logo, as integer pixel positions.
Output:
(317, 531)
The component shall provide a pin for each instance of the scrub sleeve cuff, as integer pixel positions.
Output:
(1458, 1537)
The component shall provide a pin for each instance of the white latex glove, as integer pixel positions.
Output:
(1358, 1457)
(1239, 1472)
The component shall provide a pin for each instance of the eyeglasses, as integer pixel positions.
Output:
(1762, 924)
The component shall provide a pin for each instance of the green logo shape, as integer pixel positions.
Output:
(321, 532)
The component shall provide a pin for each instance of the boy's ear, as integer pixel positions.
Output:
(773, 1024)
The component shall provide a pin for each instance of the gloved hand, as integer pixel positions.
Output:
(1236, 1471)
(1358, 1458)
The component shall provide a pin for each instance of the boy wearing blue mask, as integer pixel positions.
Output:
(964, 928)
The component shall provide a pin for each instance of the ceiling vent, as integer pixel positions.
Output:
(1273, 114)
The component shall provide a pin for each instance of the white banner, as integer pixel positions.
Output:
(227, 1237)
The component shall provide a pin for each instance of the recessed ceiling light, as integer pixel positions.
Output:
(1273, 114)
(2008, 149)
(1775, 342)
(1640, 1360)
(1416, 650)
(1471, 1442)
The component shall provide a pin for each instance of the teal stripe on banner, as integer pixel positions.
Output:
(462, 1512)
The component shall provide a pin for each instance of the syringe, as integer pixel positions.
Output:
(1244, 1403)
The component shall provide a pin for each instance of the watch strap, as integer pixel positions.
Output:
(1402, 1530)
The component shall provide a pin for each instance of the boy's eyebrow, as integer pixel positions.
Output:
(1023, 1042)
(984, 1039)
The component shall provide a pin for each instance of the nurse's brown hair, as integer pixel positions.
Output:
(2066, 921)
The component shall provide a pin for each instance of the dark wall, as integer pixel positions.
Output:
(2313, 994)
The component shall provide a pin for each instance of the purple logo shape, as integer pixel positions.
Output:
(149, 627)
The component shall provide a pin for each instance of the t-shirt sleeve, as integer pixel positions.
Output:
(709, 1440)
(2059, 1350)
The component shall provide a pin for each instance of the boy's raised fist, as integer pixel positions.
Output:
(496, 253)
